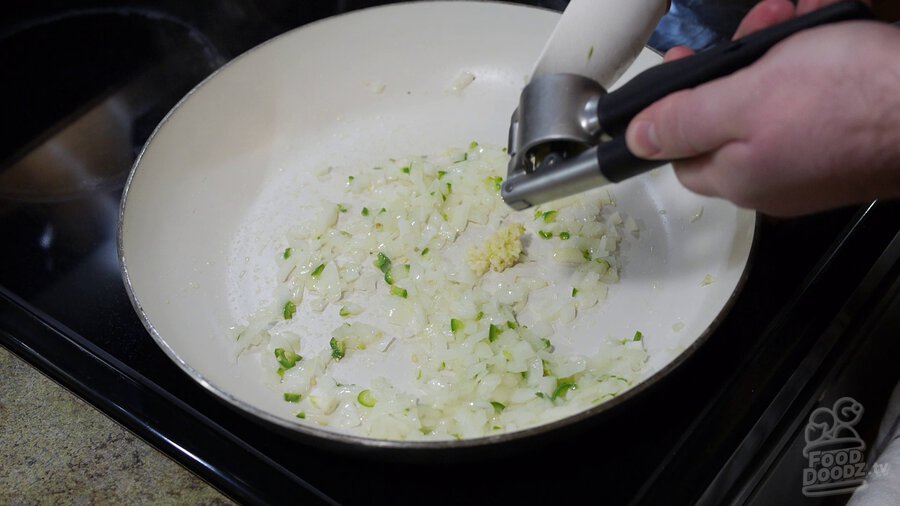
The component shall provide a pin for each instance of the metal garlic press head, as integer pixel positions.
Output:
(556, 142)
(567, 134)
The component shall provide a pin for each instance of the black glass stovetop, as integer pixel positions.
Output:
(89, 83)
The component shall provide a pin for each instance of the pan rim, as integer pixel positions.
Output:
(322, 436)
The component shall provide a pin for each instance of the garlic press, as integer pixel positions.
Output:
(567, 134)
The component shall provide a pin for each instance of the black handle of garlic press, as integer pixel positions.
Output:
(617, 108)
(617, 163)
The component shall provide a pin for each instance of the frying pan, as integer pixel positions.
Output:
(227, 173)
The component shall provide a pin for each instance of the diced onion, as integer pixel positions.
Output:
(394, 242)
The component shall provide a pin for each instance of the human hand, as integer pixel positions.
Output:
(813, 124)
(763, 15)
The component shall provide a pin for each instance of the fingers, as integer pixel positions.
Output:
(807, 6)
(771, 12)
(677, 53)
(693, 173)
(690, 122)
(765, 14)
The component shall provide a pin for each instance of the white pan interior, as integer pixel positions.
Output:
(223, 176)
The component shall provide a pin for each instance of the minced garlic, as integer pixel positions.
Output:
(500, 252)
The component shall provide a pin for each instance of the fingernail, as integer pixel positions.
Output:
(647, 142)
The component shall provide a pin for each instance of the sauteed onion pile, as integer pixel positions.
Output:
(424, 272)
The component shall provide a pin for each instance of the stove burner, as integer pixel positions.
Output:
(99, 81)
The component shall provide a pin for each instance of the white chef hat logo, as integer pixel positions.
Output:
(832, 428)
(834, 450)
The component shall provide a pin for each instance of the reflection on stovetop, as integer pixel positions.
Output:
(100, 78)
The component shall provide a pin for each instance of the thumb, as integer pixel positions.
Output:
(689, 123)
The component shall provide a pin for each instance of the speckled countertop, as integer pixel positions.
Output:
(57, 449)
